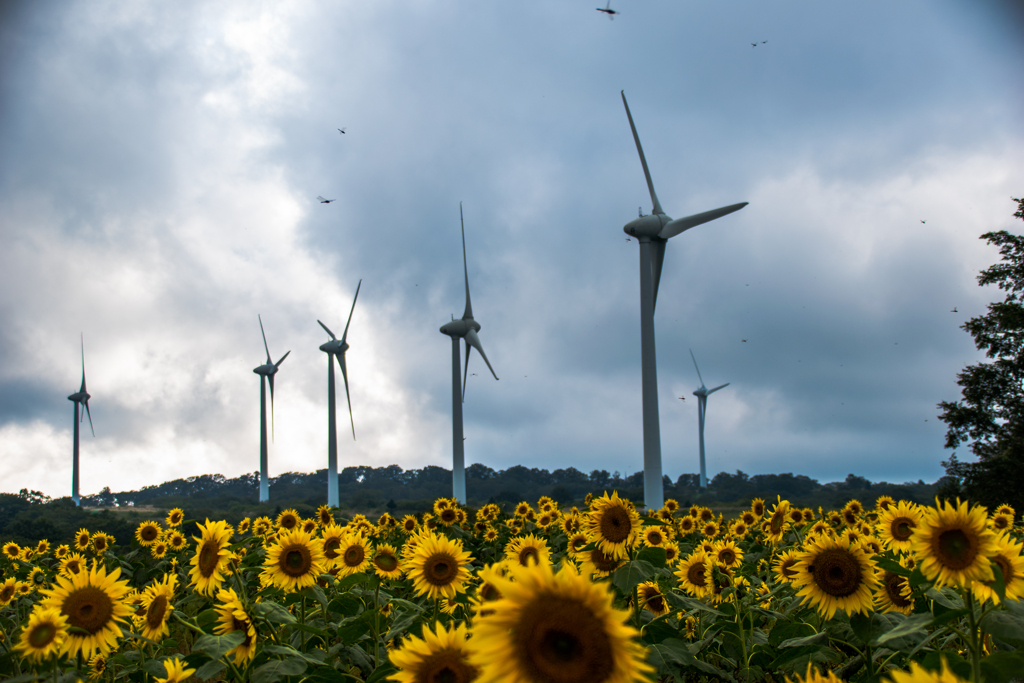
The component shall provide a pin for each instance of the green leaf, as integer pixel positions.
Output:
(274, 612)
(276, 669)
(352, 580)
(155, 668)
(948, 600)
(210, 669)
(892, 566)
(315, 593)
(1004, 626)
(673, 650)
(206, 618)
(217, 646)
(346, 605)
(999, 583)
(25, 678)
(359, 657)
(804, 641)
(627, 577)
(292, 652)
(1002, 667)
(381, 673)
(658, 630)
(654, 556)
(786, 631)
(312, 629)
(689, 604)
(914, 625)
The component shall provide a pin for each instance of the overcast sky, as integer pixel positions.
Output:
(158, 183)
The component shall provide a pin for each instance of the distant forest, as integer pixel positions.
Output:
(29, 515)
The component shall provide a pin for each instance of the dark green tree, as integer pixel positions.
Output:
(991, 413)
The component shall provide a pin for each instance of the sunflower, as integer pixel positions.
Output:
(37, 578)
(175, 517)
(354, 554)
(308, 525)
(595, 563)
(448, 516)
(175, 670)
(692, 574)
(82, 538)
(261, 526)
(883, 503)
(832, 574)
(295, 561)
(808, 514)
(613, 524)
(671, 552)
(891, 595)
(727, 554)
(44, 634)
(757, 508)
(656, 536)
(1007, 554)
(100, 542)
(97, 665)
(709, 529)
(385, 562)
(441, 655)
(775, 526)
(812, 676)
(288, 520)
(72, 564)
(490, 534)
(919, 674)
(62, 551)
(953, 544)
(438, 567)
(158, 602)
(332, 536)
(897, 524)
(93, 602)
(487, 592)
(158, 549)
(686, 525)
(652, 599)
(24, 588)
(175, 541)
(739, 529)
(42, 547)
(409, 524)
(148, 533)
(210, 563)
(1005, 509)
(244, 525)
(526, 550)
(672, 505)
(231, 617)
(997, 522)
(556, 627)
(8, 591)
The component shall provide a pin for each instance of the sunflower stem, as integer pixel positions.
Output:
(975, 643)
(376, 623)
(302, 620)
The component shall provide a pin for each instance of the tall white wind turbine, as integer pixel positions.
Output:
(653, 232)
(336, 348)
(81, 396)
(702, 408)
(266, 373)
(464, 328)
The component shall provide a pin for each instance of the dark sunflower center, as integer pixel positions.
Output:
(893, 584)
(787, 568)
(778, 519)
(73, 566)
(615, 524)
(354, 556)
(1006, 567)
(209, 558)
(386, 562)
(527, 555)
(727, 556)
(837, 572)
(603, 563)
(331, 546)
(955, 549)
(6, 593)
(149, 533)
(1000, 523)
(242, 626)
(409, 525)
(559, 640)
(695, 574)
(655, 600)
(156, 612)
(654, 538)
(295, 560)
(902, 528)
(488, 592)
(289, 522)
(446, 666)
(88, 608)
(448, 515)
(440, 569)
(42, 635)
(100, 543)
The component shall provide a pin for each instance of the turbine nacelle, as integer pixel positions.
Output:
(647, 226)
(268, 370)
(80, 397)
(335, 346)
(460, 328)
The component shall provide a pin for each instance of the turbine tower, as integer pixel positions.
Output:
(464, 328)
(653, 232)
(266, 373)
(702, 408)
(336, 348)
(81, 396)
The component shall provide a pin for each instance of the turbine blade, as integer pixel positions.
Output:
(89, 413)
(658, 246)
(643, 160)
(673, 228)
(344, 374)
(468, 313)
(331, 334)
(83, 364)
(345, 333)
(270, 378)
(698, 369)
(264, 338)
(466, 371)
(717, 388)
(474, 340)
(278, 363)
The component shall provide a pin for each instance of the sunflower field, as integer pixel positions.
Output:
(900, 592)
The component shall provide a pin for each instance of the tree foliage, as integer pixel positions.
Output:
(990, 416)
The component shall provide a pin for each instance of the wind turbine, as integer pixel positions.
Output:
(464, 328)
(81, 396)
(653, 232)
(336, 348)
(702, 407)
(266, 373)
